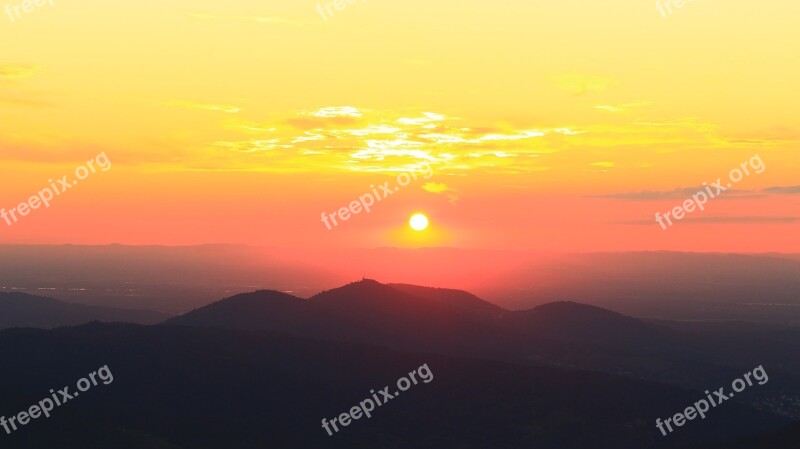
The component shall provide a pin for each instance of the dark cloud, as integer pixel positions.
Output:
(677, 194)
(724, 220)
(783, 190)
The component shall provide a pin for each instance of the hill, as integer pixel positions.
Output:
(202, 388)
(23, 310)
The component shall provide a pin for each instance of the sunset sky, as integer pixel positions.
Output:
(559, 125)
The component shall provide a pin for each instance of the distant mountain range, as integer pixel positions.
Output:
(261, 369)
(433, 320)
(655, 285)
(415, 318)
(23, 310)
(666, 285)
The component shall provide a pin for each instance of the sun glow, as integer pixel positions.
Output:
(418, 222)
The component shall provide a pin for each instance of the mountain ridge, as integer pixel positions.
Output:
(25, 310)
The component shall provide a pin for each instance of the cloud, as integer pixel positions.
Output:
(309, 123)
(435, 187)
(649, 195)
(624, 107)
(18, 101)
(337, 111)
(769, 136)
(783, 190)
(251, 127)
(42, 152)
(722, 220)
(14, 96)
(349, 138)
(252, 146)
(329, 117)
(439, 188)
(208, 107)
(427, 119)
(745, 219)
(343, 138)
(451, 138)
(580, 84)
(15, 71)
(256, 19)
(677, 194)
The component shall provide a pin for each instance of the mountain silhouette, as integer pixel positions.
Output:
(464, 301)
(364, 311)
(262, 369)
(576, 322)
(402, 315)
(24, 310)
(565, 334)
(260, 310)
(180, 387)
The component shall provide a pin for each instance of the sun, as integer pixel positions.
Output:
(418, 222)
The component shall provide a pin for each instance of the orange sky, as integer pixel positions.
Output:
(546, 125)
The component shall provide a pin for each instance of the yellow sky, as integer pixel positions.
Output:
(550, 98)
